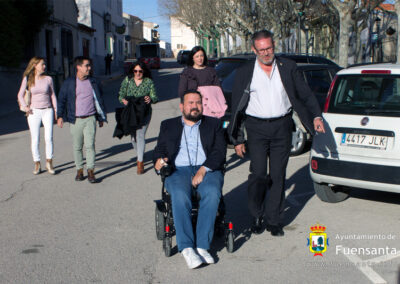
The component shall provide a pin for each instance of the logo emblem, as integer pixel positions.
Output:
(364, 121)
(318, 242)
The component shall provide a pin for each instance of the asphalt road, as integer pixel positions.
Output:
(56, 230)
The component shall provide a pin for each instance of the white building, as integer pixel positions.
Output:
(182, 37)
(103, 32)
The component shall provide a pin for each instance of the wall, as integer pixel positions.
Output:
(182, 37)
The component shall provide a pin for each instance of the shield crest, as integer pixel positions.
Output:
(318, 240)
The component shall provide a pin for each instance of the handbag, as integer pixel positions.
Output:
(26, 97)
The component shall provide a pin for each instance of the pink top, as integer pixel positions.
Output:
(42, 93)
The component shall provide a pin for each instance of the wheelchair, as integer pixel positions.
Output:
(164, 221)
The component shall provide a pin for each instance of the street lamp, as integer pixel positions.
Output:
(378, 39)
(299, 8)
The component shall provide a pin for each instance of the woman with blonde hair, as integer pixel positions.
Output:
(42, 109)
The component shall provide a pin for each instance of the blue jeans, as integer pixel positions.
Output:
(178, 186)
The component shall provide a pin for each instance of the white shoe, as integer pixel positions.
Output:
(205, 256)
(191, 257)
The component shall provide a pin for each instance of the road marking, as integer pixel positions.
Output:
(367, 270)
(384, 258)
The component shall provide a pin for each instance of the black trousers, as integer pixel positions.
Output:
(268, 141)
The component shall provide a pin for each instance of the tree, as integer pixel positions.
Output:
(345, 9)
(397, 7)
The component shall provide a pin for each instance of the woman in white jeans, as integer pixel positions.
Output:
(42, 109)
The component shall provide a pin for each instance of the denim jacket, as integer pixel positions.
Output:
(67, 99)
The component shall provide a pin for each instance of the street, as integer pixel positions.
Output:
(56, 230)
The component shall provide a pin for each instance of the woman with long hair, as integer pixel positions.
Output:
(198, 76)
(138, 90)
(42, 109)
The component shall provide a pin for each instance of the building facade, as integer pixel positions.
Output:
(182, 37)
(103, 32)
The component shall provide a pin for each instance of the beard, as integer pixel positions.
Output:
(193, 116)
(266, 61)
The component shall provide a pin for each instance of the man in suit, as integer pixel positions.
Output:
(265, 93)
(194, 144)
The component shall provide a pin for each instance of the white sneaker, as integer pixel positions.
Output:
(191, 257)
(205, 256)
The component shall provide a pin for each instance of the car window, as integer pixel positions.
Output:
(369, 95)
(225, 67)
(319, 60)
(318, 80)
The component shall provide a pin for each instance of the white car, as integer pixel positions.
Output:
(361, 146)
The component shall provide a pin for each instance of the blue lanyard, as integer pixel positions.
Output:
(187, 149)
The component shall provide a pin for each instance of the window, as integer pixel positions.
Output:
(179, 46)
(368, 95)
(319, 81)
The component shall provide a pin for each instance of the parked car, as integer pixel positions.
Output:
(317, 76)
(307, 58)
(182, 56)
(361, 146)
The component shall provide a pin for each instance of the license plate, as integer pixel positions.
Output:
(364, 141)
(225, 124)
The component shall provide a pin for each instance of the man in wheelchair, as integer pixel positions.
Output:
(195, 146)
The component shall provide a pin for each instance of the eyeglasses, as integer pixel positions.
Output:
(265, 50)
(137, 71)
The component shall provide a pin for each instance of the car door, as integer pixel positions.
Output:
(319, 81)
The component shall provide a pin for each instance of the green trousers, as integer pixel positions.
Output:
(84, 132)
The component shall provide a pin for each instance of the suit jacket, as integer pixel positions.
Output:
(300, 96)
(211, 137)
(66, 102)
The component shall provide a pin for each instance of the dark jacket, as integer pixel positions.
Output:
(300, 96)
(211, 136)
(66, 102)
(131, 117)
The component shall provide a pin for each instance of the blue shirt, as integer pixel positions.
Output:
(189, 141)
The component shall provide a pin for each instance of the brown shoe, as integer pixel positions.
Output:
(37, 168)
(90, 176)
(49, 166)
(79, 175)
(140, 168)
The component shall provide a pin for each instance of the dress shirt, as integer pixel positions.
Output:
(268, 97)
(193, 140)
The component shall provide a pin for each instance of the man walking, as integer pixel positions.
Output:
(80, 102)
(265, 93)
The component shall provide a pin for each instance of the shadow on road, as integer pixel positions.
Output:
(302, 192)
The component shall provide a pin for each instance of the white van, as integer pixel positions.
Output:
(361, 146)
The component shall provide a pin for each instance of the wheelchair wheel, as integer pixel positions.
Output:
(160, 224)
(229, 242)
(167, 246)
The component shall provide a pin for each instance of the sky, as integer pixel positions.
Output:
(148, 11)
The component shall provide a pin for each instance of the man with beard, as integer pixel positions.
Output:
(265, 93)
(195, 146)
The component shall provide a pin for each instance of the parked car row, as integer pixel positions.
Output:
(361, 108)
(318, 77)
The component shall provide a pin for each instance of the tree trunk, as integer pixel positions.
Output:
(243, 43)
(397, 6)
(345, 21)
(234, 43)
(226, 44)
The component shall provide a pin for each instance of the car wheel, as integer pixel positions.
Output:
(331, 194)
(299, 139)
